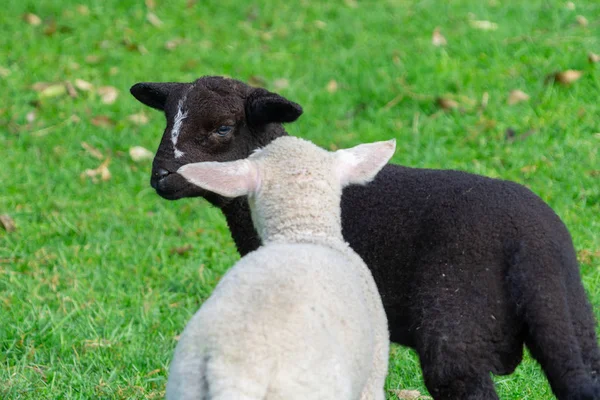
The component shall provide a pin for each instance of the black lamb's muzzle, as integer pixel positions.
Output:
(169, 184)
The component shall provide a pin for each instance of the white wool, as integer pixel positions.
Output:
(299, 318)
(179, 117)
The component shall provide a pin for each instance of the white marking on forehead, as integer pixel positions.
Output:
(179, 117)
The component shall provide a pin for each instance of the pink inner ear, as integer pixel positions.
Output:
(360, 164)
(229, 179)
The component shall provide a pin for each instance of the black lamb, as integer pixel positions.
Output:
(469, 268)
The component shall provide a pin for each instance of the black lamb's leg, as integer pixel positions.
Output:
(556, 333)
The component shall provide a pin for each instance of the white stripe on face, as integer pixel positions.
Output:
(179, 117)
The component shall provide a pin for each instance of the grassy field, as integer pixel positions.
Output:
(100, 275)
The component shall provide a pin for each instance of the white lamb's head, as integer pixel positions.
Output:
(293, 186)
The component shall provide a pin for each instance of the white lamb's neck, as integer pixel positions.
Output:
(299, 223)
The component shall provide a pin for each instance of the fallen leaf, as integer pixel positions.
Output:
(108, 94)
(565, 77)
(70, 89)
(150, 4)
(101, 171)
(332, 86)
(173, 43)
(4, 72)
(409, 395)
(53, 90)
(582, 21)
(93, 59)
(181, 250)
(320, 24)
(50, 28)
(255, 80)
(139, 119)
(153, 372)
(8, 223)
(529, 168)
(437, 39)
(154, 20)
(446, 103)
(102, 121)
(83, 9)
(138, 153)
(593, 58)
(83, 85)
(32, 19)
(30, 117)
(281, 83)
(97, 343)
(94, 152)
(484, 25)
(586, 256)
(517, 96)
(570, 5)
(485, 98)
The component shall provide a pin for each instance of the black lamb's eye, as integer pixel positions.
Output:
(224, 130)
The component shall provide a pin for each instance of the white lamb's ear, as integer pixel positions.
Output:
(360, 164)
(229, 179)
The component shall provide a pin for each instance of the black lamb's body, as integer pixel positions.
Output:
(469, 268)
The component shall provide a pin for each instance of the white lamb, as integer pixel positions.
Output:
(301, 317)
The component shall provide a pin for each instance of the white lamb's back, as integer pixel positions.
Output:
(301, 316)
(283, 318)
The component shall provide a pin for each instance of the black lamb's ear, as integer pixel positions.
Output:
(263, 107)
(153, 94)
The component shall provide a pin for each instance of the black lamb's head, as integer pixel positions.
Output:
(211, 119)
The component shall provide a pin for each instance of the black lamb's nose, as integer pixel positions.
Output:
(161, 173)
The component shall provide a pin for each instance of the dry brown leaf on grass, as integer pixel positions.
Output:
(258, 81)
(281, 83)
(150, 4)
(93, 59)
(582, 21)
(154, 20)
(108, 94)
(593, 58)
(83, 9)
(483, 25)
(82, 85)
(181, 250)
(8, 223)
(446, 103)
(139, 118)
(332, 86)
(517, 96)
(30, 117)
(173, 43)
(409, 395)
(94, 152)
(102, 171)
(569, 5)
(32, 19)
(138, 153)
(97, 343)
(102, 121)
(70, 89)
(49, 89)
(565, 78)
(437, 39)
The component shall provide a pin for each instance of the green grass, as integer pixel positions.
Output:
(92, 294)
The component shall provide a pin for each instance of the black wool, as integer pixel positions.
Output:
(469, 268)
